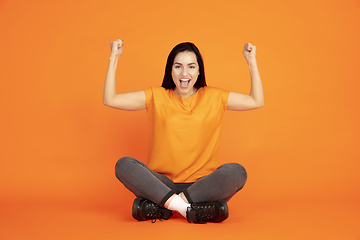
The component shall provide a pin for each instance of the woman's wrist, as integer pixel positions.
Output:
(113, 58)
(251, 61)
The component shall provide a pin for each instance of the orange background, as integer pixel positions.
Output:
(59, 143)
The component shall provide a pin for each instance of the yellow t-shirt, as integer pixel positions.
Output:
(184, 133)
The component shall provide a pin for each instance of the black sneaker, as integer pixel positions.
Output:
(144, 209)
(215, 211)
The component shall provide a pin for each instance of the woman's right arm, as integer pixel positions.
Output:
(124, 101)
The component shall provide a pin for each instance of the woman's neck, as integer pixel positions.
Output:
(188, 94)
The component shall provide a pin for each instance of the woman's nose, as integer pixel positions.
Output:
(184, 72)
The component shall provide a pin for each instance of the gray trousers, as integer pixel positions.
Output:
(223, 183)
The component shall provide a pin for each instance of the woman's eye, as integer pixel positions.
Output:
(177, 66)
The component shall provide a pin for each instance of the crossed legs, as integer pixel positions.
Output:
(223, 183)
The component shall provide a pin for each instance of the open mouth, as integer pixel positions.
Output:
(184, 83)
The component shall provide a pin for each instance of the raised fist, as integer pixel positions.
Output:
(117, 47)
(249, 51)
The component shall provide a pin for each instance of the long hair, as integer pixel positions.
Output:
(168, 82)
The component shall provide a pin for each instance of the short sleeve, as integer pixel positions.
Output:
(149, 96)
(225, 97)
(220, 94)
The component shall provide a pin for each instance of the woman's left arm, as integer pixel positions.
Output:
(255, 99)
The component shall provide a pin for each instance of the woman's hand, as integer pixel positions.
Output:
(117, 48)
(249, 52)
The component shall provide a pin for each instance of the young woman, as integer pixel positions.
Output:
(185, 116)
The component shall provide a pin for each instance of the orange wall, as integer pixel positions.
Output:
(60, 143)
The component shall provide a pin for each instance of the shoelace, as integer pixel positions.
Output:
(154, 212)
(204, 214)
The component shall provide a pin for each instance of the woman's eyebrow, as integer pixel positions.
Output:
(181, 63)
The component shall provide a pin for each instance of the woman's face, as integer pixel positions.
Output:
(185, 71)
